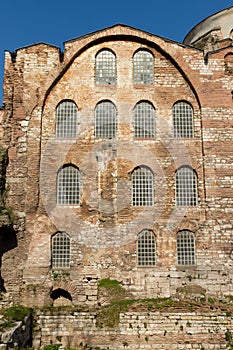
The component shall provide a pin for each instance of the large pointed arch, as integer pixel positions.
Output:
(131, 34)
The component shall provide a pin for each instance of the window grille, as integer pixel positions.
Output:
(185, 248)
(182, 120)
(66, 120)
(105, 120)
(60, 250)
(68, 185)
(146, 247)
(186, 187)
(142, 187)
(143, 67)
(105, 68)
(144, 120)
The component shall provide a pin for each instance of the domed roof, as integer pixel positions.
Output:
(222, 21)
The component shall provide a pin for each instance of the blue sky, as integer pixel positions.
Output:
(28, 22)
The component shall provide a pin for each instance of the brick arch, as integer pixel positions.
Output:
(126, 33)
(192, 163)
(190, 225)
(67, 286)
(149, 226)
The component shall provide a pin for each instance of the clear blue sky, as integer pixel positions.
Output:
(28, 22)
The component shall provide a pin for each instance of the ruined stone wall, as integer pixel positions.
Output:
(24, 78)
(16, 336)
(103, 229)
(144, 330)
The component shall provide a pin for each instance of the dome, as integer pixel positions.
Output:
(221, 23)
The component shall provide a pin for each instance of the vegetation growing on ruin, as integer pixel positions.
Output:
(12, 315)
(111, 290)
(108, 316)
(229, 339)
(116, 300)
(108, 283)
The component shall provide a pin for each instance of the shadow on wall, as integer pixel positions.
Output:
(8, 241)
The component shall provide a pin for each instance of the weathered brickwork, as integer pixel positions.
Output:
(103, 226)
(136, 331)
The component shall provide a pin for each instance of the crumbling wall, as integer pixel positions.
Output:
(136, 330)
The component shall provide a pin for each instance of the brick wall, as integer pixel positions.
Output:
(103, 229)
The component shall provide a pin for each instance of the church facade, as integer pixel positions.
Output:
(120, 165)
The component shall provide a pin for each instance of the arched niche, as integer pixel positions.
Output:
(61, 297)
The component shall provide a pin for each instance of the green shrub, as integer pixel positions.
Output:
(14, 314)
(108, 283)
(52, 347)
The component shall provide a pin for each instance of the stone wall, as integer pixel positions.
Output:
(137, 330)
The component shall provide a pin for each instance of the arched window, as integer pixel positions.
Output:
(144, 120)
(68, 185)
(60, 250)
(146, 248)
(185, 248)
(105, 120)
(142, 187)
(182, 119)
(105, 68)
(66, 120)
(143, 67)
(186, 187)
